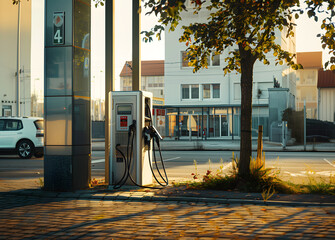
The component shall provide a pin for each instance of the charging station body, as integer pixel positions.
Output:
(127, 108)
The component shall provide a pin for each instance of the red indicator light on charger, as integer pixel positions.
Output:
(123, 121)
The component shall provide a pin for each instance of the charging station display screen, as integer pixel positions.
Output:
(124, 110)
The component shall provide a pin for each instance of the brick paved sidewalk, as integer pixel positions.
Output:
(170, 214)
(25, 217)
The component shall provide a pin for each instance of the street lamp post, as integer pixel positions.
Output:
(18, 110)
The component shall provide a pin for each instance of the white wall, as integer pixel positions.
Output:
(175, 74)
(326, 107)
(8, 56)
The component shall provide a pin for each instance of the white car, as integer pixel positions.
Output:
(22, 135)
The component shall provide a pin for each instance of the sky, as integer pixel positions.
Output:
(306, 41)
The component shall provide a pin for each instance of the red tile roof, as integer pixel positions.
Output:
(148, 68)
(326, 79)
(310, 59)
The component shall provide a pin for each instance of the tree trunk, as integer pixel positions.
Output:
(246, 113)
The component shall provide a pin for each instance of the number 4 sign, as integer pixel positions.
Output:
(58, 22)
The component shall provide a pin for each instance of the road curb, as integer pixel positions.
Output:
(186, 148)
(95, 195)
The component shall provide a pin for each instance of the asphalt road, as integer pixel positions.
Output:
(294, 166)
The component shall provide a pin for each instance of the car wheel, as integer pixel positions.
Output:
(25, 149)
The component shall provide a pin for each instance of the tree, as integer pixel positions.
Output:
(248, 24)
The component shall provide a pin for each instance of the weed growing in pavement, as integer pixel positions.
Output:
(267, 194)
(195, 174)
(320, 185)
(40, 182)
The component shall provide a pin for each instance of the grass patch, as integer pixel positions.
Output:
(318, 185)
(261, 180)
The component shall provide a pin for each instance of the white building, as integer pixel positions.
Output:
(152, 77)
(207, 104)
(326, 95)
(307, 79)
(8, 59)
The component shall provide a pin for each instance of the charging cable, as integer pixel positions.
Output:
(128, 160)
(154, 134)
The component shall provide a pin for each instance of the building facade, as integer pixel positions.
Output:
(152, 77)
(307, 79)
(9, 98)
(326, 95)
(207, 104)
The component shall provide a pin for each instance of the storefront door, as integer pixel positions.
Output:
(190, 127)
(195, 126)
(224, 126)
(184, 130)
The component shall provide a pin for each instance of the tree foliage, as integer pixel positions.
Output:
(249, 24)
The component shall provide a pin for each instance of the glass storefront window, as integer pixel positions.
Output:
(204, 127)
(211, 122)
(224, 125)
(171, 129)
(170, 111)
(190, 110)
(221, 111)
(183, 122)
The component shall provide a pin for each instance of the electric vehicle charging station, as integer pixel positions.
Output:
(130, 138)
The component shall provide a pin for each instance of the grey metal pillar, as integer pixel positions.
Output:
(110, 73)
(136, 46)
(67, 160)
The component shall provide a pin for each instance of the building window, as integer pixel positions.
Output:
(195, 91)
(216, 90)
(210, 91)
(206, 91)
(211, 61)
(190, 91)
(184, 63)
(215, 60)
(185, 91)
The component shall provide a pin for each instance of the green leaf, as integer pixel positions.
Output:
(310, 13)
